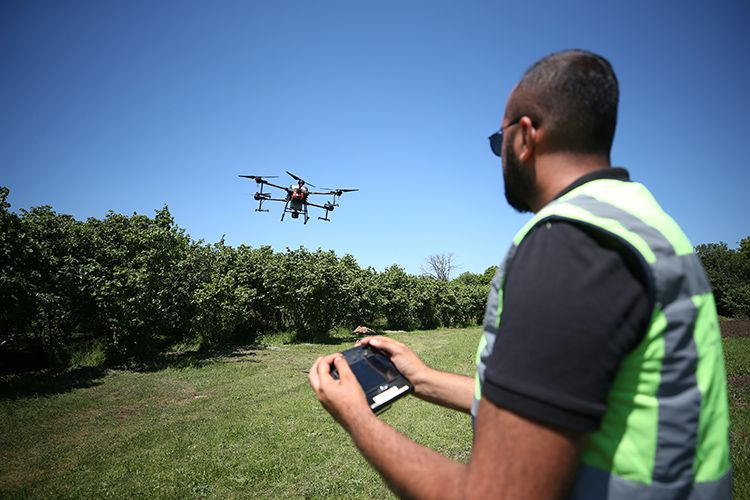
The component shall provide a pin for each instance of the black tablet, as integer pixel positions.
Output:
(382, 382)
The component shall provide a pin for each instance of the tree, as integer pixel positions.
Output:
(489, 274)
(397, 289)
(439, 266)
(142, 283)
(16, 296)
(729, 273)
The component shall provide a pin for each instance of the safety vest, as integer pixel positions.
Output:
(666, 430)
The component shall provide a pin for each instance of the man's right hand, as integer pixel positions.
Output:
(443, 388)
(404, 358)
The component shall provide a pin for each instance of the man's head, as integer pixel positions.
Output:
(571, 98)
(574, 95)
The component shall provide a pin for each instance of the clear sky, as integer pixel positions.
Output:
(130, 105)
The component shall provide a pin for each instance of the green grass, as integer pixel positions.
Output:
(737, 356)
(245, 424)
(242, 424)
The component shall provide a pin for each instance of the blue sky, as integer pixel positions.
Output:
(127, 106)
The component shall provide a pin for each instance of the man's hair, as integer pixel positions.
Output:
(574, 95)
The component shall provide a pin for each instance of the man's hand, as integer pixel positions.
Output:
(404, 358)
(443, 388)
(342, 398)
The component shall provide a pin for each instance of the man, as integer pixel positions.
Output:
(600, 372)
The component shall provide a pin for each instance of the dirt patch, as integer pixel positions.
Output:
(735, 328)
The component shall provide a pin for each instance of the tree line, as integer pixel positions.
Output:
(729, 272)
(137, 285)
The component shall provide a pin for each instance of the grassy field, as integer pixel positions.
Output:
(240, 424)
(737, 355)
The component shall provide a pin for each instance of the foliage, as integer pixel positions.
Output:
(483, 279)
(314, 291)
(729, 273)
(16, 297)
(398, 302)
(140, 283)
(135, 285)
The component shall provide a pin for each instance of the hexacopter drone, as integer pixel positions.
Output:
(296, 202)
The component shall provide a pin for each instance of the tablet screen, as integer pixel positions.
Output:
(368, 378)
(386, 369)
(374, 371)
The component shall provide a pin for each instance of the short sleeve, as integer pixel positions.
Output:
(575, 302)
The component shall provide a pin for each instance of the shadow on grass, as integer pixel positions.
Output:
(200, 358)
(57, 380)
(327, 340)
(48, 382)
(51, 381)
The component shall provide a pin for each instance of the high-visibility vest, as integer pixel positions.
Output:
(665, 433)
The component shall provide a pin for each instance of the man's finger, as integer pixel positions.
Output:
(342, 365)
(324, 367)
(384, 343)
(313, 375)
(369, 340)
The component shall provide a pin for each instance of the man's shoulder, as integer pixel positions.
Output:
(551, 236)
(559, 244)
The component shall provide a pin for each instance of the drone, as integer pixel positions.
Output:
(296, 199)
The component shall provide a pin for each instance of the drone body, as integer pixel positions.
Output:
(296, 199)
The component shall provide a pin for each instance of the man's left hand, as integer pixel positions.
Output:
(342, 398)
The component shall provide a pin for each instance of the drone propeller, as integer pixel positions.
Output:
(299, 179)
(259, 177)
(340, 191)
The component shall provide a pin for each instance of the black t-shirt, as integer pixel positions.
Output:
(575, 302)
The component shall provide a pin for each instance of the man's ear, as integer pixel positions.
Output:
(528, 138)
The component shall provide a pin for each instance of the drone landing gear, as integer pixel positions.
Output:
(295, 211)
(260, 197)
(328, 207)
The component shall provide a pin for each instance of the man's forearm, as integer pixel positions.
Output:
(446, 389)
(411, 470)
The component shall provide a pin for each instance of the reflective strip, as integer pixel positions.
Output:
(656, 241)
(581, 215)
(712, 459)
(634, 198)
(688, 269)
(668, 262)
(490, 328)
(677, 279)
(678, 396)
(626, 439)
(593, 483)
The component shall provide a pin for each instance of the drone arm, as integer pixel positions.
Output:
(276, 186)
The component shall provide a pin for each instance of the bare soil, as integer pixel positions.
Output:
(735, 328)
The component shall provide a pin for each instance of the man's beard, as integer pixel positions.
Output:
(519, 182)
